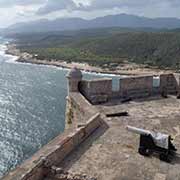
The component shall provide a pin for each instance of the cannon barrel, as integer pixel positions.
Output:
(138, 130)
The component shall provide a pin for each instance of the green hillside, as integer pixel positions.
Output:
(105, 46)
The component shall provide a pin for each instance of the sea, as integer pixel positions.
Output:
(32, 108)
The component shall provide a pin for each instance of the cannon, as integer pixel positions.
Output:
(152, 142)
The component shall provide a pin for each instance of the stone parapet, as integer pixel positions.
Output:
(78, 110)
(169, 83)
(54, 152)
(136, 87)
(99, 91)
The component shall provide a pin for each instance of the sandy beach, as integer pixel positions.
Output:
(122, 69)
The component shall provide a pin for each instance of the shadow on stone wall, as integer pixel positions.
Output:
(80, 150)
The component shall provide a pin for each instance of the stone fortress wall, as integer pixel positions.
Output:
(82, 119)
(100, 90)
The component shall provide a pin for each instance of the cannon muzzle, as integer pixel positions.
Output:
(138, 130)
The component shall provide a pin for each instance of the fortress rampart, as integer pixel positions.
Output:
(100, 90)
(82, 118)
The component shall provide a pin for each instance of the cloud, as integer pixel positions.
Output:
(97, 4)
(70, 5)
(54, 5)
(10, 3)
(135, 4)
(12, 11)
(92, 5)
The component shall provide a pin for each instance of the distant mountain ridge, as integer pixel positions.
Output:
(121, 20)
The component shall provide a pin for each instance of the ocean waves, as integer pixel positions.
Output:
(32, 109)
(3, 56)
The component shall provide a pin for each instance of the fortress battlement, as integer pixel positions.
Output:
(101, 90)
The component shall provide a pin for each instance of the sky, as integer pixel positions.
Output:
(14, 11)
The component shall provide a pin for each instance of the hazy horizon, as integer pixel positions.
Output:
(14, 11)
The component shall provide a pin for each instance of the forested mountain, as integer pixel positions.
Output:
(121, 20)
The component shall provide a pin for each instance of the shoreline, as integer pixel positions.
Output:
(122, 69)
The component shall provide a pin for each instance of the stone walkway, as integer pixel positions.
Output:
(111, 153)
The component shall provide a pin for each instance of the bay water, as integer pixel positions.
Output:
(32, 108)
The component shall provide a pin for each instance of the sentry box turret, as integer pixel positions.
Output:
(151, 142)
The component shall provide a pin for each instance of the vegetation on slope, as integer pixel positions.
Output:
(105, 46)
